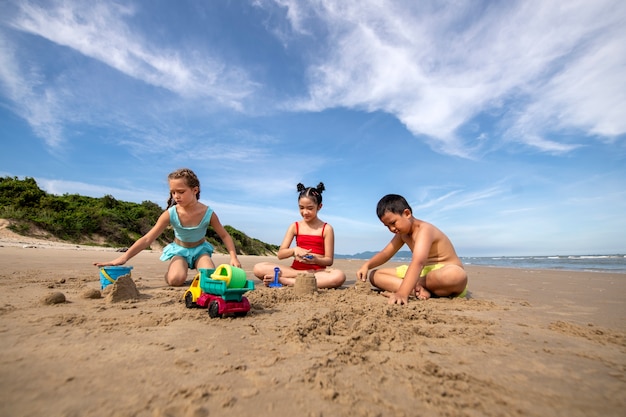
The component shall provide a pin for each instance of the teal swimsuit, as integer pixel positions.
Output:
(188, 234)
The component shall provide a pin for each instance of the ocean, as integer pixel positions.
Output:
(595, 263)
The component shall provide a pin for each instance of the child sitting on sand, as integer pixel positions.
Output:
(435, 268)
(315, 246)
(190, 219)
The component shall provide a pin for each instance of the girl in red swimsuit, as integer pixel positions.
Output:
(314, 249)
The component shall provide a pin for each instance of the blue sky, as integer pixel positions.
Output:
(503, 123)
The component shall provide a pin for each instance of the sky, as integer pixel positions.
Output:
(503, 123)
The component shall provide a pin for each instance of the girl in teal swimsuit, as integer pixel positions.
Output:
(315, 246)
(190, 220)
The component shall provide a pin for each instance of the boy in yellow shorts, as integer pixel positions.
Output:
(435, 268)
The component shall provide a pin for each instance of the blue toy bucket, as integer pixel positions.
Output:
(109, 274)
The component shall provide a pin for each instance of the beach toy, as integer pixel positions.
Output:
(234, 277)
(109, 274)
(275, 283)
(205, 276)
(213, 294)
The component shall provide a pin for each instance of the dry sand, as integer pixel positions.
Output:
(526, 342)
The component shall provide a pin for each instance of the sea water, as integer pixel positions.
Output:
(596, 263)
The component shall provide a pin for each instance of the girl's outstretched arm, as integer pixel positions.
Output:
(226, 238)
(141, 243)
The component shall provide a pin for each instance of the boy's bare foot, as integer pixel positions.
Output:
(422, 293)
(388, 293)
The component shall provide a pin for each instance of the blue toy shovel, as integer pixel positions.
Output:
(275, 283)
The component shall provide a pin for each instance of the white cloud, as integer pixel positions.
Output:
(60, 187)
(98, 30)
(590, 94)
(436, 66)
(82, 93)
(34, 102)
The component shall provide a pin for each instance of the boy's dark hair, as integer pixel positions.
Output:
(314, 194)
(393, 203)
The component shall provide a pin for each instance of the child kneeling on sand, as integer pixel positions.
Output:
(435, 268)
(190, 219)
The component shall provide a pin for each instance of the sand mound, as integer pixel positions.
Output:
(53, 298)
(124, 289)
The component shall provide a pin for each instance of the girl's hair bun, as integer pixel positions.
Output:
(310, 192)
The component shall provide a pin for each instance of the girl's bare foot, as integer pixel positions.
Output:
(268, 279)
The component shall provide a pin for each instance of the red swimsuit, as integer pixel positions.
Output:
(315, 243)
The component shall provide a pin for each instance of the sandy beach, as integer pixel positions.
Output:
(525, 342)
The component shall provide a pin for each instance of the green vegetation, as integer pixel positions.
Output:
(97, 221)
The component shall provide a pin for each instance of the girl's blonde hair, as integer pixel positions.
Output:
(191, 179)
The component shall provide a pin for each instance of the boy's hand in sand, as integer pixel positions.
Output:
(395, 298)
(362, 273)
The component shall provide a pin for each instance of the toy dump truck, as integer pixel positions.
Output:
(220, 290)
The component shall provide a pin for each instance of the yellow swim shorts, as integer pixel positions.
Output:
(401, 272)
